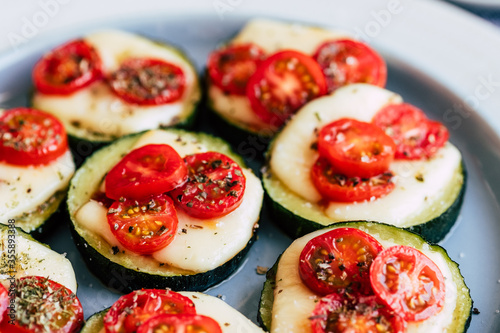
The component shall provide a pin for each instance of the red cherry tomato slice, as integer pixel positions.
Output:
(215, 186)
(416, 136)
(282, 84)
(31, 137)
(334, 186)
(132, 310)
(336, 313)
(356, 148)
(143, 226)
(337, 260)
(181, 323)
(43, 305)
(68, 68)
(4, 301)
(230, 68)
(348, 61)
(408, 282)
(148, 82)
(146, 171)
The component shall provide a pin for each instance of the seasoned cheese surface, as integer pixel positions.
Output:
(199, 245)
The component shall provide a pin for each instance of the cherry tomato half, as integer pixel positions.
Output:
(334, 186)
(4, 301)
(215, 186)
(145, 81)
(336, 313)
(43, 305)
(408, 282)
(339, 259)
(416, 136)
(181, 323)
(356, 148)
(29, 136)
(231, 67)
(143, 226)
(282, 84)
(146, 171)
(132, 310)
(348, 61)
(67, 69)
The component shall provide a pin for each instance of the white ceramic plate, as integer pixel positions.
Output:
(440, 58)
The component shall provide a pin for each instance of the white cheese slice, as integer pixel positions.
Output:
(294, 302)
(24, 188)
(95, 109)
(204, 244)
(271, 36)
(23, 257)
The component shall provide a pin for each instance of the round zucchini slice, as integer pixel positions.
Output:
(229, 319)
(203, 252)
(427, 197)
(287, 303)
(96, 116)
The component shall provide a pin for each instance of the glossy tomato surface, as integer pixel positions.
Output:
(181, 323)
(146, 171)
(31, 137)
(336, 313)
(4, 301)
(356, 148)
(143, 226)
(408, 282)
(67, 69)
(416, 136)
(146, 81)
(334, 186)
(43, 305)
(230, 67)
(348, 61)
(282, 84)
(215, 187)
(339, 261)
(132, 310)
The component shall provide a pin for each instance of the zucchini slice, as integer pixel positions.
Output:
(286, 302)
(203, 252)
(33, 194)
(229, 319)
(427, 197)
(24, 256)
(96, 116)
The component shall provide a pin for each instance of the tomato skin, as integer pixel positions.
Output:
(146, 171)
(334, 186)
(230, 67)
(67, 69)
(132, 310)
(180, 323)
(330, 262)
(336, 313)
(143, 226)
(41, 295)
(215, 186)
(348, 61)
(283, 83)
(356, 148)
(416, 136)
(4, 301)
(402, 277)
(31, 137)
(147, 81)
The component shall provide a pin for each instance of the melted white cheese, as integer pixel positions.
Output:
(205, 244)
(294, 302)
(30, 258)
(24, 188)
(271, 36)
(96, 109)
